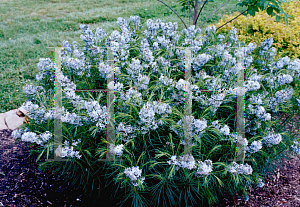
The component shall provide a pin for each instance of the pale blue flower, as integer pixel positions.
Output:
(282, 62)
(284, 79)
(295, 147)
(272, 139)
(136, 21)
(252, 85)
(191, 31)
(255, 147)
(233, 34)
(100, 34)
(221, 37)
(201, 60)
(31, 89)
(265, 46)
(240, 169)
(260, 183)
(283, 95)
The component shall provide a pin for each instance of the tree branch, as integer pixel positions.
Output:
(231, 20)
(189, 7)
(200, 12)
(214, 13)
(235, 17)
(174, 12)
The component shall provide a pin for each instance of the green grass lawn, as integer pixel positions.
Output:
(28, 27)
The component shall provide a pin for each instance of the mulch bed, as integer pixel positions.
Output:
(22, 184)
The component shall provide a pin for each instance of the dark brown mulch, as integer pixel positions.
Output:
(21, 184)
(281, 189)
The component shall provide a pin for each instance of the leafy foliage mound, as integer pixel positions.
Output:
(150, 94)
(262, 26)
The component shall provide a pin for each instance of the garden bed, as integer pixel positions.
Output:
(22, 184)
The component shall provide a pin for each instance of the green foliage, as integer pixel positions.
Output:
(269, 6)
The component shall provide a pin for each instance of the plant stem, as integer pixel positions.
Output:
(173, 11)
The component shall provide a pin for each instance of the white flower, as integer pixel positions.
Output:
(46, 136)
(71, 118)
(133, 95)
(225, 130)
(204, 168)
(256, 99)
(221, 37)
(31, 137)
(199, 124)
(162, 108)
(215, 124)
(233, 34)
(134, 173)
(187, 161)
(17, 133)
(143, 81)
(118, 86)
(103, 69)
(136, 20)
(173, 160)
(282, 62)
(49, 114)
(184, 161)
(255, 77)
(67, 151)
(255, 146)
(180, 85)
(298, 101)
(29, 106)
(216, 101)
(116, 150)
(147, 113)
(191, 31)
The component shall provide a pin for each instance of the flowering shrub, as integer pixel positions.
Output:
(149, 117)
(262, 26)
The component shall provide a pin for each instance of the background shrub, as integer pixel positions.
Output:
(262, 26)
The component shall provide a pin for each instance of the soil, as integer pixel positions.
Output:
(22, 184)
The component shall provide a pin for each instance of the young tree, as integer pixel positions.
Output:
(253, 6)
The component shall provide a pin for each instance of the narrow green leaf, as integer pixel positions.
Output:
(277, 18)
